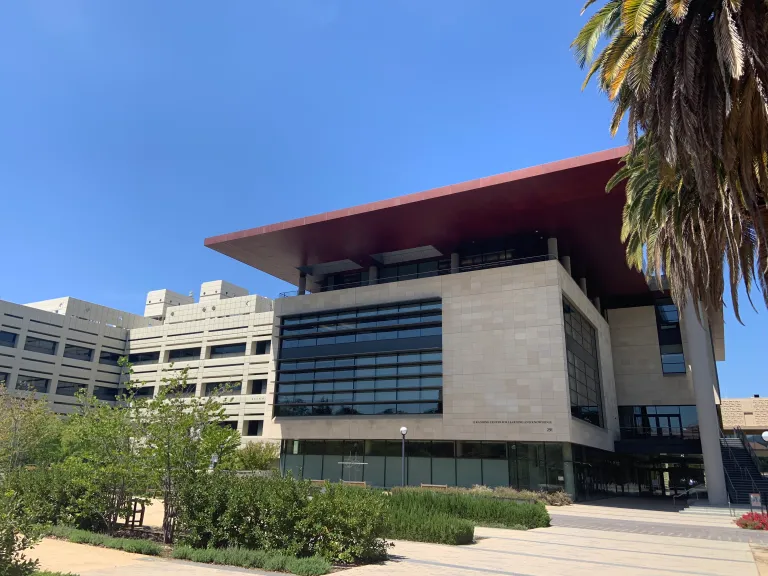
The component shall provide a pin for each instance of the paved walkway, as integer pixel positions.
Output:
(585, 540)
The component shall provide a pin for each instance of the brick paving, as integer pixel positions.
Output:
(723, 534)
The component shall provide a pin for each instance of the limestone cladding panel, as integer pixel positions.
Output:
(504, 375)
(582, 432)
(748, 413)
(637, 361)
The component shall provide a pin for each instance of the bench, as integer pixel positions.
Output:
(354, 483)
(435, 486)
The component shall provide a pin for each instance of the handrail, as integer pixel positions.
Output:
(666, 432)
(430, 274)
(741, 435)
(689, 491)
(744, 473)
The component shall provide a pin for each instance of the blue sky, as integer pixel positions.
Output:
(133, 130)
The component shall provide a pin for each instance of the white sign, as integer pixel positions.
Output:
(754, 500)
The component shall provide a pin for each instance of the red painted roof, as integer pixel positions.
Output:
(565, 199)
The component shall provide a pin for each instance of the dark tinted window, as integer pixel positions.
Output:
(263, 347)
(144, 392)
(258, 386)
(40, 345)
(670, 338)
(8, 339)
(32, 383)
(224, 388)
(226, 350)
(78, 352)
(105, 393)
(69, 388)
(184, 354)
(110, 358)
(254, 427)
(584, 385)
(144, 357)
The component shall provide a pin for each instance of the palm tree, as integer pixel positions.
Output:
(670, 234)
(692, 76)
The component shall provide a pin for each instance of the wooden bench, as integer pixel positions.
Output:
(435, 486)
(354, 483)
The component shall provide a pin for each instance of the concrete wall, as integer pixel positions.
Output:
(504, 369)
(207, 324)
(61, 328)
(637, 361)
(747, 413)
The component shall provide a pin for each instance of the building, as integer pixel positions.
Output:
(495, 319)
(58, 347)
(498, 322)
(750, 415)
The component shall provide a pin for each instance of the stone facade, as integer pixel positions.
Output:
(504, 369)
(750, 414)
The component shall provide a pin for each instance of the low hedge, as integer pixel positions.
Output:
(272, 561)
(134, 545)
(553, 498)
(426, 526)
(476, 508)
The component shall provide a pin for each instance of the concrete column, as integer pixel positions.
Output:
(454, 262)
(552, 248)
(566, 262)
(373, 275)
(583, 284)
(302, 283)
(596, 302)
(698, 355)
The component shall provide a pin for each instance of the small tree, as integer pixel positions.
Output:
(16, 536)
(181, 434)
(104, 462)
(253, 456)
(29, 432)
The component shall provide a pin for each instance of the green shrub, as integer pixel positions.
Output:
(134, 545)
(47, 573)
(426, 526)
(479, 509)
(553, 498)
(275, 561)
(342, 524)
(255, 455)
(17, 535)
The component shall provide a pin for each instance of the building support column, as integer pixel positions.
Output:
(302, 283)
(698, 352)
(596, 302)
(552, 248)
(454, 262)
(583, 285)
(373, 275)
(566, 262)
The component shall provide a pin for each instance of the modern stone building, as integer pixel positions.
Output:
(497, 321)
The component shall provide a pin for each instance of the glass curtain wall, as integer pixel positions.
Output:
(524, 465)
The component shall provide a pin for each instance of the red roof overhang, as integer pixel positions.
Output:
(565, 199)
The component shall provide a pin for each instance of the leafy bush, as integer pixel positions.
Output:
(753, 521)
(313, 566)
(554, 498)
(479, 509)
(426, 526)
(134, 545)
(16, 536)
(253, 456)
(340, 523)
(46, 494)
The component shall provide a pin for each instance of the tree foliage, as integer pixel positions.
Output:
(180, 434)
(29, 432)
(16, 536)
(691, 76)
(253, 456)
(104, 464)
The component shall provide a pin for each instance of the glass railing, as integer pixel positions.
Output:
(659, 432)
(431, 273)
